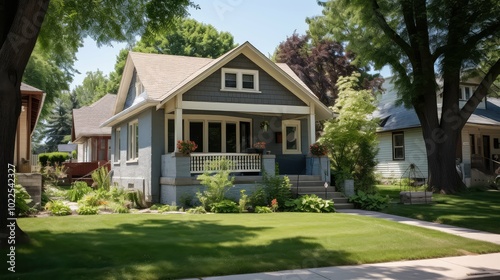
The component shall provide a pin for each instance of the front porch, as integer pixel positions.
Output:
(179, 172)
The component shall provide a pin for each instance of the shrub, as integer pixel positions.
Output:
(243, 201)
(258, 197)
(217, 184)
(136, 198)
(87, 210)
(310, 203)
(367, 201)
(94, 198)
(263, 209)
(277, 187)
(197, 210)
(52, 158)
(167, 208)
(77, 191)
(58, 208)
(119, 208)
(225, 206)
(101, 178)
(53, 173)
(23, 199)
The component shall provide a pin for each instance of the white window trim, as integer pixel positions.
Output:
(132, 155)
(117, 145)
(462, 92)
(284, 125)
(239, 80)
(394, 134)
(212, 118)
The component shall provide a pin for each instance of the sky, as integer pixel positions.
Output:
(265, 24)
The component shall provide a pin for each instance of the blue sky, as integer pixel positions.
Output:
(263, 23)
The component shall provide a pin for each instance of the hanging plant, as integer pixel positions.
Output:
(264, 125)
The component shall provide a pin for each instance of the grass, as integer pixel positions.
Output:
(152, 246)
(473, 209)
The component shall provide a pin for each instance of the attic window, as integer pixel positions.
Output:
(138, 87)
(239, 80)
(466, 92)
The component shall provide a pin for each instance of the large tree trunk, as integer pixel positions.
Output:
(20, 23)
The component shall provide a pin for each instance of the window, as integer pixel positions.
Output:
(138, 86)
(398, 146)
(240, 80)
(466, 92)
(117, 145)
(291, 133)
(133, 141)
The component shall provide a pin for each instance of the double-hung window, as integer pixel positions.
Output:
(133, 140)
(398, 146)
(117, 145)
(466, 92)
(239, 80)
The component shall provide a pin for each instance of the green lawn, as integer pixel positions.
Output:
(473, 209)
(153, 246)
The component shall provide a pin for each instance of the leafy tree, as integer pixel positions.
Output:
(61, 25)
(424, 41)
(188, 38)
(93, 87)
(351, 137)
(320, 63)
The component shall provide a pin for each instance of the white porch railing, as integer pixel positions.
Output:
(241, 162)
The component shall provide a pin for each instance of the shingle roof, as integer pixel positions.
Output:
(87, 119)
(26, 87)
(397, 117)
(160, 73)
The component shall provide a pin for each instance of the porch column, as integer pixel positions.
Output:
(312, 125)
(178, 120)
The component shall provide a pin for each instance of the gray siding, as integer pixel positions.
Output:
(145, 173)
(272, 92)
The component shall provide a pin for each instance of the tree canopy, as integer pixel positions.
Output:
(61, 26)
(423, 42)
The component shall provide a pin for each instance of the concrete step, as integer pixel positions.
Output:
(309, 183)
(312, 189)
(294, 178)
(322, 194)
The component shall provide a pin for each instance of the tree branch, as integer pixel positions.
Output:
(480, 93)
(390, 32)
(490, 30)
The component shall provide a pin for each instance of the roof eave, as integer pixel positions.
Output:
(129, 112)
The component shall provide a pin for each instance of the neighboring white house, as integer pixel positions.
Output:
(401, 142)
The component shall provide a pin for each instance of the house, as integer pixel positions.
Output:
(32, 101)
(93, 142)
(401, 142)
(225, 105)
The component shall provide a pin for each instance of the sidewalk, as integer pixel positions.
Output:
(485, 266)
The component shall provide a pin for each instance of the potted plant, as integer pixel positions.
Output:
(260, 147)
(186, 147)
(318, 149)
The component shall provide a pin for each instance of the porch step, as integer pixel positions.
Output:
(309, 185)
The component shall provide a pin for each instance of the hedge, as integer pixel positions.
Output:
(52, 158)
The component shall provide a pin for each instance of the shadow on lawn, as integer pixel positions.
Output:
(165, 249)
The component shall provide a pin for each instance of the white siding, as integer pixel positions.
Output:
(414, 153)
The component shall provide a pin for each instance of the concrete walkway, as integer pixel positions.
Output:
(485, 266)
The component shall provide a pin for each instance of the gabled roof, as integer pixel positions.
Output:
(165, 76)
(87, 119)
